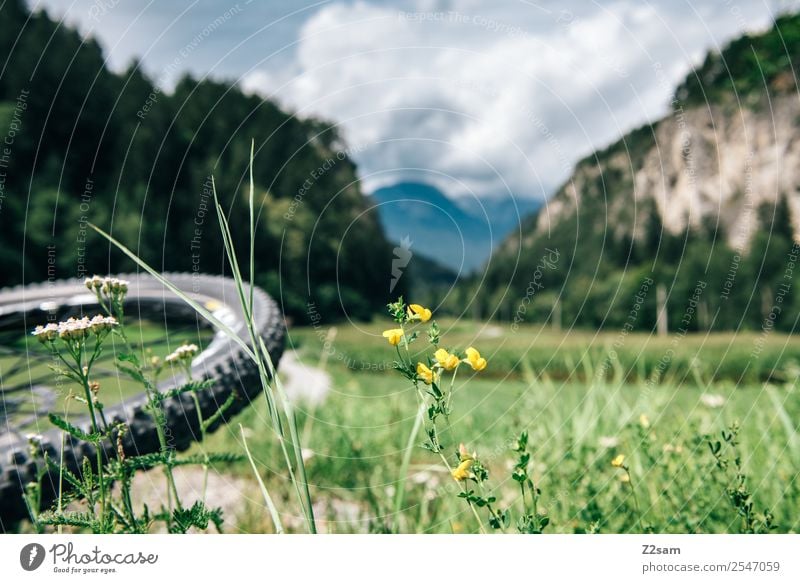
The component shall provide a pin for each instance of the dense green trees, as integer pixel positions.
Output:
(112, 149)
(747, 69)
(598, 278)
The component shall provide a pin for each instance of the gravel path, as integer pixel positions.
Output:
(303, 383)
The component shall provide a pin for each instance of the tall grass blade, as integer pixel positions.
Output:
(258, 353)
(266, 372)
(208, 316)
(273, 511)
(404, 464)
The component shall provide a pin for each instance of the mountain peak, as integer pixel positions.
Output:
(458, 235)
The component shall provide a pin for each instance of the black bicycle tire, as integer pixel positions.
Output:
(225, 362)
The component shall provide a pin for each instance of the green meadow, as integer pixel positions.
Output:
(710, 440)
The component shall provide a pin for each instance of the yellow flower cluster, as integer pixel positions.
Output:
(443, 360)
(425, 374)
(475, 360)
(463, 470)
(417, 312)
(394, 336)
(448, 361)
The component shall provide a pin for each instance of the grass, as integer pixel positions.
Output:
(576, 427)
(702, 430)
(743, 357)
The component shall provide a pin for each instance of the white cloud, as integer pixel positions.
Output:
(476, 95)
(482, 97)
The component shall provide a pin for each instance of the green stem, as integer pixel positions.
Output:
(438, 448)
(446, 411)
(84, 376)
(450, 392)
(59, 506)
(158, 416)
(471, 507)
(202, 441)
(491, 510)
(264, 361)
(273, 511)
(202, 425)
(404, 464)
(535, 501)
(635, 498)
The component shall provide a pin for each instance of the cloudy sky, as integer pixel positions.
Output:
(481, 98)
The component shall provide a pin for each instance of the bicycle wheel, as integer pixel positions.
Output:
(157, 321)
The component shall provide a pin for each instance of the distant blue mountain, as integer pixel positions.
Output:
(504, 214)
(458, 235)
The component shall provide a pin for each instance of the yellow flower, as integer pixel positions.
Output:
(462, 472)
(475, 360)
(417, 312)
(618, 461)
(446, 360)
(644, 421)
(625, 479)
(463, 453)
(425, 374)
(394, 336)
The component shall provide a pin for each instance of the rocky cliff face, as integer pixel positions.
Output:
(697, 166)
(710, 193)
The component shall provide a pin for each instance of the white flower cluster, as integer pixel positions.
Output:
(183, 353)
(107, 285)
(712, 401)
(74, 328)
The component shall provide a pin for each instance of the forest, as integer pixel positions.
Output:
(84, 145)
